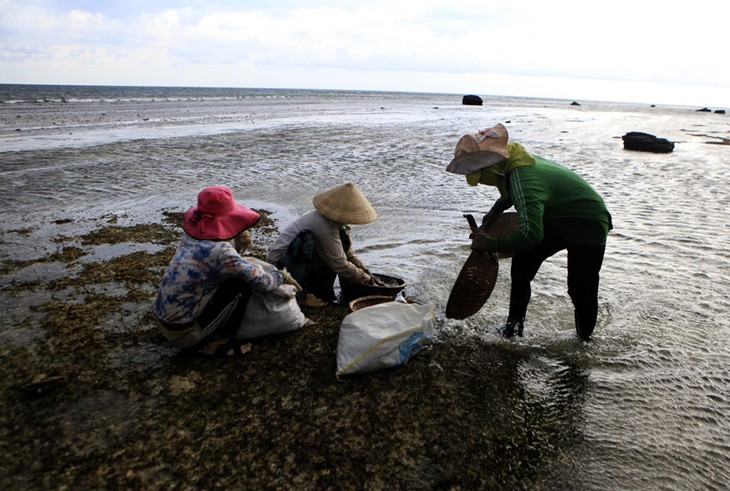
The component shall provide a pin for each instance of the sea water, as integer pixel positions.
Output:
(645, 403)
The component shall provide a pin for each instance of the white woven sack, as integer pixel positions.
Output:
(383, 336)
(272, 313)
(275, 312)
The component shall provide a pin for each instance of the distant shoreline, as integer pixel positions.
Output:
(190, 90)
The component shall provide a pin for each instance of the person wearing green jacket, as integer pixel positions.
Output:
(557, 210)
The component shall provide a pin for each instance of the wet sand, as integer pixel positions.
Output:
(99, 399)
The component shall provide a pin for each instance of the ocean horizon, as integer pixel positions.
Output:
(11, 93)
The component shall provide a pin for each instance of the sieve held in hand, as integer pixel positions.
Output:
(475, 282)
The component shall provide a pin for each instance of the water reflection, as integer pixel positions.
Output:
(539, 409)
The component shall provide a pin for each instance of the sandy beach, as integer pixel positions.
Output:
(154, 418)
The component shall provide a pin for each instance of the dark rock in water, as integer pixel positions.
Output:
(472, 100)
(574, 104)
(720, 111)
(644, 142)
(704, 110)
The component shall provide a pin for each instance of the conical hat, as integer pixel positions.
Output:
(345, 204)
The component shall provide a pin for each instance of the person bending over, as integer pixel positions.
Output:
(316, 247)
(557, 210)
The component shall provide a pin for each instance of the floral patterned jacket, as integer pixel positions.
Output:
(196, 270)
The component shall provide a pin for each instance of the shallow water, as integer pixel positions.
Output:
(643, 405)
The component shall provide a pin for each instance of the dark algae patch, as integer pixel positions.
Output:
(99, 400)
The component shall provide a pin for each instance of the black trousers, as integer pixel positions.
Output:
(584, 266)
(223, 313)
(307, 268)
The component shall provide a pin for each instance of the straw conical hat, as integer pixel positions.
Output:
(345, 204)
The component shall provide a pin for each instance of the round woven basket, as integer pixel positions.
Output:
(505, 224)
(370, 300)
(391, 287)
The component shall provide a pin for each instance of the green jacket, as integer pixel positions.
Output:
(550, 195)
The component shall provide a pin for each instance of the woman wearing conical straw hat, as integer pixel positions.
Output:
(316, 248)
(557, 210)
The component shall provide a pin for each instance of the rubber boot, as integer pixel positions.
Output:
(512, 327)
(584, 332)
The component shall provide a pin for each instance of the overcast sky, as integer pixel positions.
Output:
(646, 51)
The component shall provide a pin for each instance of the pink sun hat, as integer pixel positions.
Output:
(218, 216)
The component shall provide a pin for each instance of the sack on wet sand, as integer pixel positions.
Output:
(275, 312)
(383, 336)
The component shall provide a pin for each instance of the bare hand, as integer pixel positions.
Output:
(479, 242)
(289, 280)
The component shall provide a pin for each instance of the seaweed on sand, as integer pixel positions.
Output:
(100, 401)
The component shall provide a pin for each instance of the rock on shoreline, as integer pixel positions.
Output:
(472, 100)
(644, 142)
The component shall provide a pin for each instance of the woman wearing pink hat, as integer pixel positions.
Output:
(205, 290)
